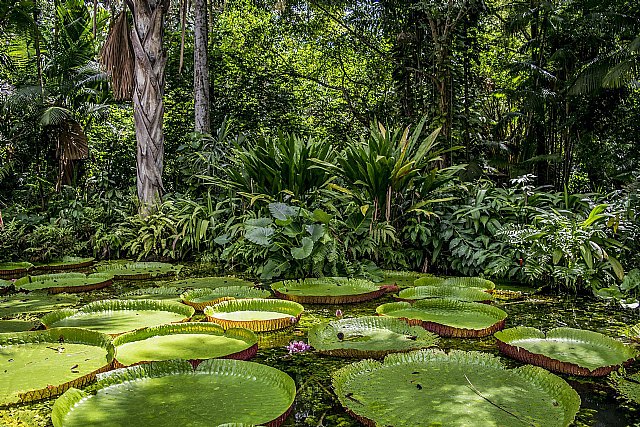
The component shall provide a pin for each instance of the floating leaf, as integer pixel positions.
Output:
(259, 315)
(328, 290)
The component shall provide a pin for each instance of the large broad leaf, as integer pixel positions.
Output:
(35, 303)
(316, 231)
(188, 341)
(218, 391)
(259, 235)
(17, 325)
(66, 263)
(40, 364)
(115, 317)
(212, 282)
(304, 251)
(282, 211)
(139, 270)
(429, 388)
(64, 282)
(449, 318)
(164, 293)
(401, 279)
(368, 336)
(13, 270)
(460, 282)
(200, 298)
(447, 292)
(5, 286)
(627, 386)
(328, 290)
(259, 315)
(565, 350)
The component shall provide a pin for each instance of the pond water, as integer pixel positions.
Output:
(316, 405)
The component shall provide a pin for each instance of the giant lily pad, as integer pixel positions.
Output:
(66, 263)
(15, 325)
(40, 364)
(565, 350)
(259, 315)
(5, 286)
(218, 391)
(115, 317)
(429, 388)
(194, 342)
(627, 386)
(200, 298)
(368, 336)
(460, 282)
(447, 292)
(12, 270)
(161, 293)
(212, 282)
(328, 290)
(64, 282)
(35, 303)
(401, 279)
(448, 318)
(139, 270)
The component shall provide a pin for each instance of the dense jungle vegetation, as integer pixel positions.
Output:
(311, 138)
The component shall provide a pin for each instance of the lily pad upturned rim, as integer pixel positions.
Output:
(446, 330)
(318, 335)
(66, 263)
(190, 328)
(447, 292)
(68, 401)
(165, 291)
(119, 270)
(290, 308)
(212, 282)
(223, 293)
(75, 282)
(12, 269)
(508, 336)
(71, 335)
(117, 305)
(461, 282)
(562, 392)
(5, 286)
(369, 291)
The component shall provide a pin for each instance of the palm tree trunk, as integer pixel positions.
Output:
(148, 107)
(200, 69)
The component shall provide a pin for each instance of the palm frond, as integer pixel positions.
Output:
(118, 59)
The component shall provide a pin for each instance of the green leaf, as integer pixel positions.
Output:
(282, 211)
(259, 235)
(587, 256)
(321, 216)
(557, 256)
(315, 230)
(617, 267)
(304, 251)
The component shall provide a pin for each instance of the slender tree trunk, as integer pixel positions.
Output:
(148, 107)
(200, 68)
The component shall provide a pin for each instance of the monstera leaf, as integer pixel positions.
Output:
(328, 290)
(40, 364)
(200, 298)
(12, 270)
(212, 282)
(194, 342)
(217, 392)
(446, 292)
(115, 317)
(139, 270)
(565, 350)
(64, 282)
(35, 303)
(368, 336)
(460, 282)
(162, 293)
(431, 388)
(448, 318)
(259, 315)
(66, 263)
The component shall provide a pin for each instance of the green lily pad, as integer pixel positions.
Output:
(200, 298)
(429, 388)
(5, 286)
(565, 350)
(64, 282)
(188, 341)
(634, 332)
(447, 292)
(12, 270)
(257, 314)
(448, 318)
(212, 282)
(40, 364)
(35, 303)
(115, 317)
(139, 270)
(66, 263)
(247, 393)
(17, 325)
(627, 386)
(329, 290)
(460, 282)
(368, 336)
(162, 293)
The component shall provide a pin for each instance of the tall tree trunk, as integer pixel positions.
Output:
(148, 88)
(200, 68)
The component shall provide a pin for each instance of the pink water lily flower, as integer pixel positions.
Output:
(297, 347)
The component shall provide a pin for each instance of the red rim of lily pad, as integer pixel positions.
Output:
(370, 291)
(291, 309)
(21, 269)
(82, 263)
